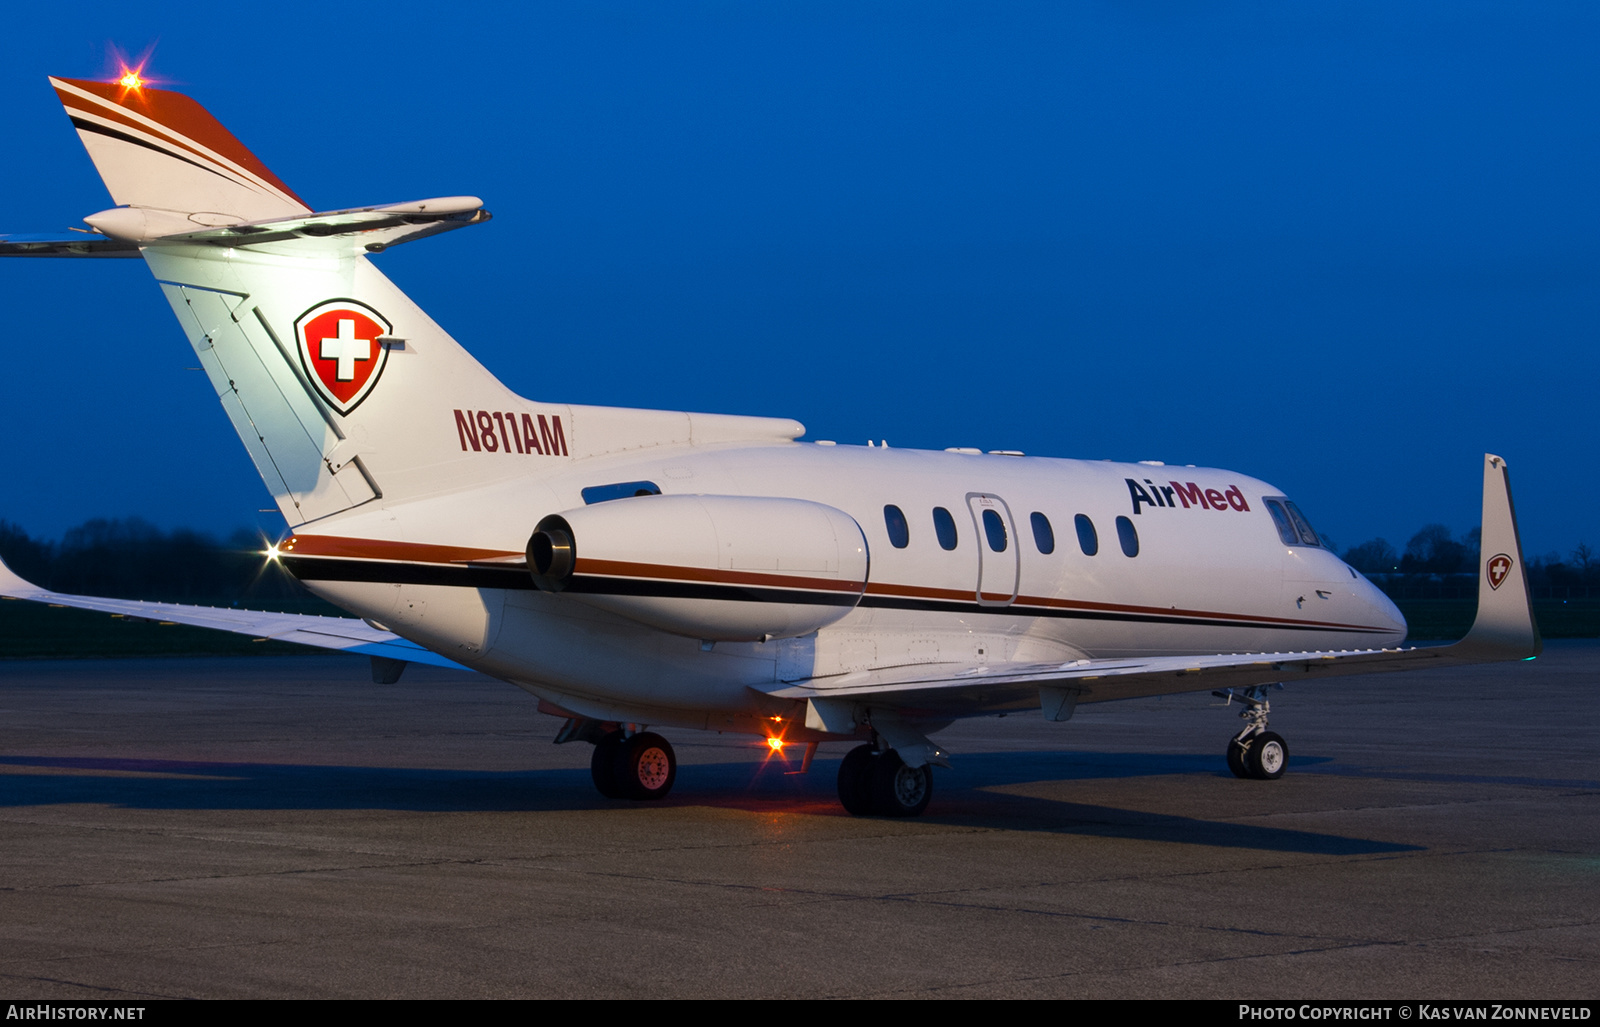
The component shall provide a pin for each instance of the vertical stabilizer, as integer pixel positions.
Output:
(159, 150)
(342, 389)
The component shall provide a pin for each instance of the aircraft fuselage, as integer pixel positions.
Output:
(1143, 560)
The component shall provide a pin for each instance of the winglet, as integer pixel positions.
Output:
(15, 585)
(1504, 628)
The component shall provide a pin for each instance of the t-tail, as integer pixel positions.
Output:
(342, 389)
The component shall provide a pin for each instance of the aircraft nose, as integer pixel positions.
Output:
(1386, 613)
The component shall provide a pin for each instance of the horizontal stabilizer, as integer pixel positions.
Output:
(344, 634)
(78, 244)
(360, 228)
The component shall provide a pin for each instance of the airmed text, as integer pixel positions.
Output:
(1187, 496)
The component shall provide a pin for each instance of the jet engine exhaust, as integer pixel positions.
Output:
(552, 554)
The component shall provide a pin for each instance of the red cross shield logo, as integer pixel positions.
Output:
(342, 350)
(1498, 567)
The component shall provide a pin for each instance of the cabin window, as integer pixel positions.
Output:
(899, 530)
(1293, 528)
(944, 527)
(619, 490)
(1043, 536)
(995, 529)
(1088, 538)
(1128, 535)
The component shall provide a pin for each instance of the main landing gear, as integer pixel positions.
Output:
(879, 783)
(1255, 752)
(638, 766)
(874, 780)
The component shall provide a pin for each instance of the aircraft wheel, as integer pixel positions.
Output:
(899, 790)
(855, 781)
(1236, 753)
(645, 767)
(603, 765)
(1268, 756)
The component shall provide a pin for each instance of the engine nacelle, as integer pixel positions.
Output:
(721, 568)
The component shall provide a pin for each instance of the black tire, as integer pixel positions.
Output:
(899, 790)
(855, 781)
(1268, 756)
(1236, 758)
(603, 764)
(646, 767)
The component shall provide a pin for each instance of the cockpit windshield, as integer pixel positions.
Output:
(1293, 528)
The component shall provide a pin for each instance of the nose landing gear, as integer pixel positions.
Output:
(1263, 756)
(1255, 752)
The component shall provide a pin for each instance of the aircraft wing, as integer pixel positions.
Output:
(1503, 630)
(345, 634)
(954, 689)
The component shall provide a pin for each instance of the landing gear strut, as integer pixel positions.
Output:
(1255, 752)
(873, 783)
(638, 766)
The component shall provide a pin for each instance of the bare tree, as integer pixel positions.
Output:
(1433, 551)
(1375, 556)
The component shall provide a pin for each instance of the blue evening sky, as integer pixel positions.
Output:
(1345, 247)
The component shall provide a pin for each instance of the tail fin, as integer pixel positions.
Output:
(160, 150)
(342, 389)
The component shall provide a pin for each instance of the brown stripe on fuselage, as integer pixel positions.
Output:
(1048, 602)
(383, 549)
(418, 552)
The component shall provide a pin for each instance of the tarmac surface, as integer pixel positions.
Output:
(281, 827)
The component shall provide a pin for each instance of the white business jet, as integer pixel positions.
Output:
(637, 569)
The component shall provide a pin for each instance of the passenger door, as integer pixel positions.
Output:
(999, 556)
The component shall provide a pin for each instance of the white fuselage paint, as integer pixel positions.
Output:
(1204, 580)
